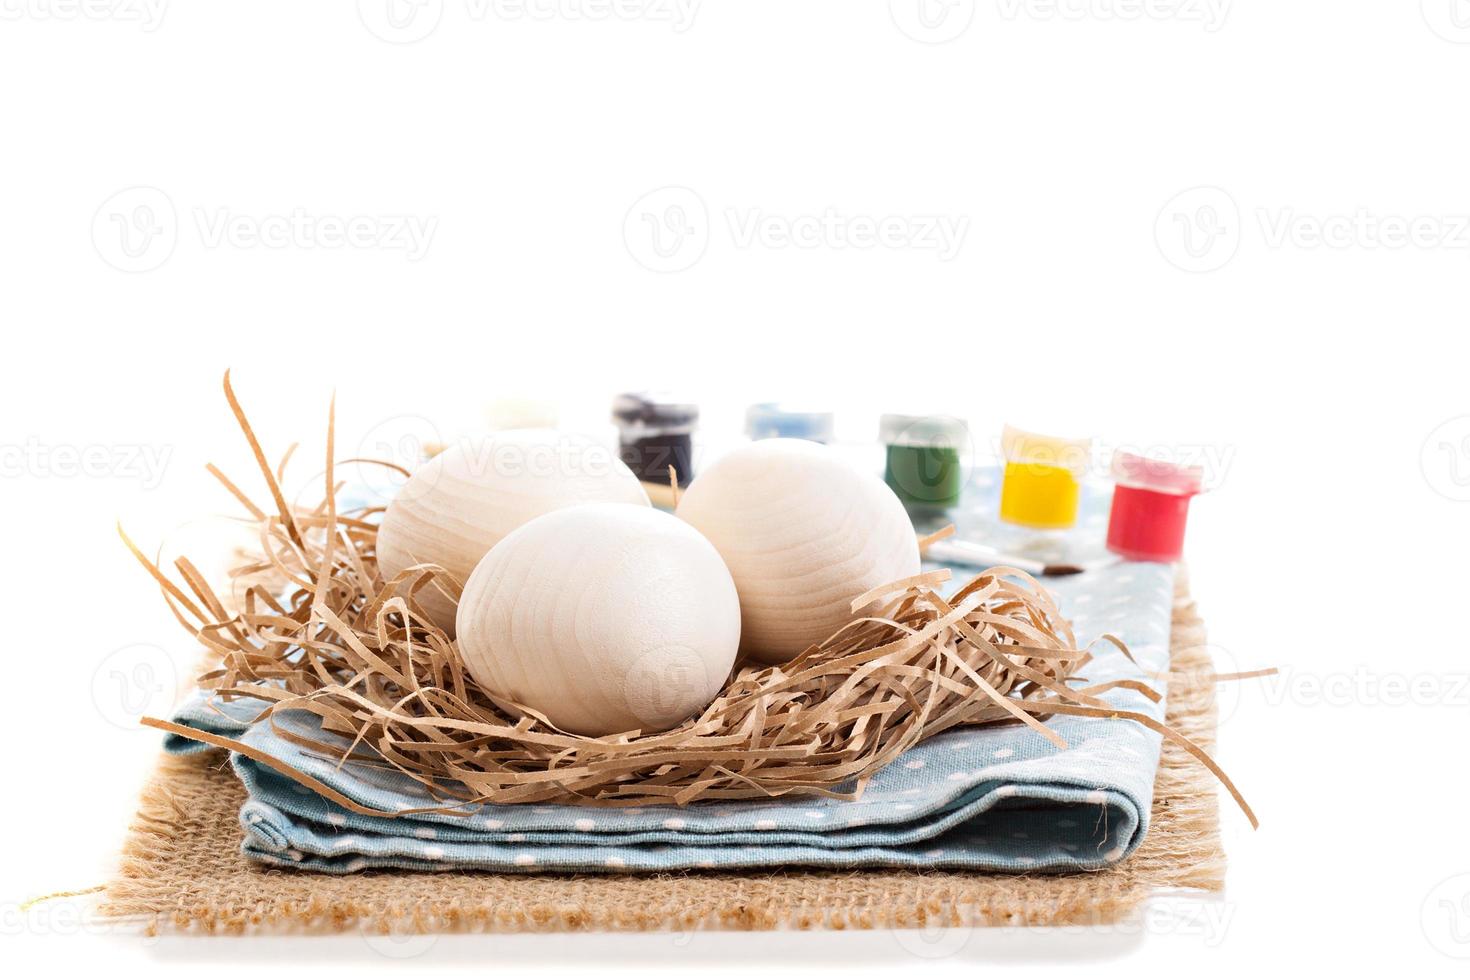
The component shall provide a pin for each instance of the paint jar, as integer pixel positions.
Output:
(923, 463)
(1042, 486)
(655, 431)
(775, 420)
(1150, 507)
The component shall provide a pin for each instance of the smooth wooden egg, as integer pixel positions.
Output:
(605, 618)
(460, 503)
(803, 534)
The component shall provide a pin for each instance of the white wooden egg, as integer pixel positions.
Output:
(803, 534)
(460, 503)
(604, 618)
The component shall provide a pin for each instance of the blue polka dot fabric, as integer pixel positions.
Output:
(984, 799)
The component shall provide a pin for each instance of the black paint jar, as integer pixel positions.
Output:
(655, 432)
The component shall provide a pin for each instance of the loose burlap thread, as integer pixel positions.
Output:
(181, 868)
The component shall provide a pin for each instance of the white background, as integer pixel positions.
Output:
(1239, 227)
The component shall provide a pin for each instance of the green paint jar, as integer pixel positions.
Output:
(924, 464)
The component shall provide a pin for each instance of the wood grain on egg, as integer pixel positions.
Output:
(457, 505)
(604, 618)
(803, 534)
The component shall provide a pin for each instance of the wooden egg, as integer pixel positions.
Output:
(604, 618)
(803, 534)
(459, 504)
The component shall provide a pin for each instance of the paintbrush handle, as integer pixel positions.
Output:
(979, 556)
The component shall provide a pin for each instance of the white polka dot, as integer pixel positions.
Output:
(616, 863)
(425, 833)
(815, 815)
(336, 820)
(494, 824)
(765, 825)
(674, 823)
(1116, 854)
(1006, 791)
(1070, 848)
(1024, 860)
(355, 865)
(585, 824)
(1004, 753)
(296, 855)
(934, 853)
(516, 838)
(1097, 796)
(706, 863)
(542, 809)
(254, 818)
(904, 807)
(957, 776)
(525, 859)
(962, 745)
(915, 764)
(434, 853)
(634, 810)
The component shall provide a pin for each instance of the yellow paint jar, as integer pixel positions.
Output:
(1043, 478)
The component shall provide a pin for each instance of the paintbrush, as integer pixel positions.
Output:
(983, 556)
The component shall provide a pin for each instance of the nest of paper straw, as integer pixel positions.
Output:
(357, 651)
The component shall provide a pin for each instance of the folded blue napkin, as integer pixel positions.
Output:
(985, 799)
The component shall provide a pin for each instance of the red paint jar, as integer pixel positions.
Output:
(1150, 507)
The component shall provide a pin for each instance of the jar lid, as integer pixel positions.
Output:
(927, 431)
(778, 420)
(1021, 446)
(655, 410)
(1132, 470)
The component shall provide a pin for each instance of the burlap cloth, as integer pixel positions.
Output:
(181, 867)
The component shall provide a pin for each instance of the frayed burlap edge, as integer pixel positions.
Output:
(181, 868)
